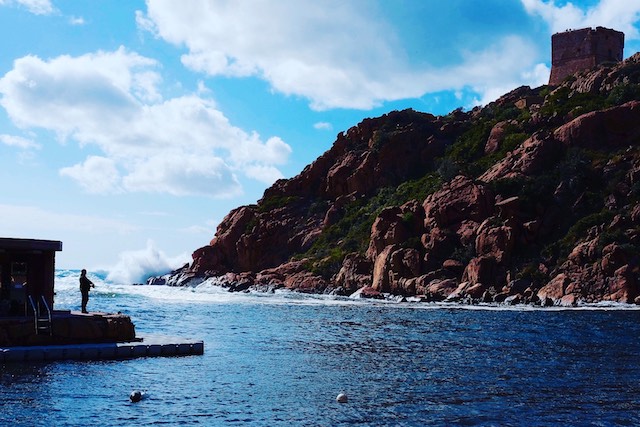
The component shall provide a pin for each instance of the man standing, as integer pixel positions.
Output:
(85, 284)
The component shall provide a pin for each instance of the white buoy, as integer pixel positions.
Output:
(342, 398)
(136, 396)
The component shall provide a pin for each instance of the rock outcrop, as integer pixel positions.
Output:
(534, 198)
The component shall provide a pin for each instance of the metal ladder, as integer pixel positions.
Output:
(41, 316)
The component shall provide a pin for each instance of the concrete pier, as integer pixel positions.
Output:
(151, 346)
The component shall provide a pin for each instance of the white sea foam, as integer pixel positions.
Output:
(210, 292)
(137, 265)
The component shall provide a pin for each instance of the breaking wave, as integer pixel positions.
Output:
(137, 265)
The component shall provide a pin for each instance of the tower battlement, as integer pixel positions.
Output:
(576, 50)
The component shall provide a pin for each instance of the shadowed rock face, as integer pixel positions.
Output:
(538, 201)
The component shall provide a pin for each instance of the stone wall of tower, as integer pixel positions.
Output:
(577, 50)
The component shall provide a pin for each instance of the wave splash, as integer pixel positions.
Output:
(137, 265)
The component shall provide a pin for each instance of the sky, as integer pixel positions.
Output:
(130, 128)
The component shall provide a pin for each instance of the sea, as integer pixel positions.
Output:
(281, 359)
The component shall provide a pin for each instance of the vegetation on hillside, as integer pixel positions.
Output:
(580, 169)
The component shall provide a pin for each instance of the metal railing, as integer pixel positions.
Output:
(41, 317)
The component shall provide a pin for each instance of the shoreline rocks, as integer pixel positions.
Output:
(520, 203)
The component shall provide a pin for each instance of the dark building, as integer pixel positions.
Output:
(27, 273)
(27, 317)
(577, 50)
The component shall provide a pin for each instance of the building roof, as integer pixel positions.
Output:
(7, 243)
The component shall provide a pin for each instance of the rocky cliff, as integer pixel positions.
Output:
(534, 198)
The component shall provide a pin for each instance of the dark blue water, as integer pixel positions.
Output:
(272, 361)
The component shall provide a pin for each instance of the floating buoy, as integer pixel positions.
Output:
(136, 396)
(342, 398)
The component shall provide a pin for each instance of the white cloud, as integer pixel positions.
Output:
(77, 20)
(181, 175)
(332, 52)
(96, 175)
(37, 7)
(537, 76)
(266, 174)
(144, 23)
(199, 230)
(112, 100)
(493, 72)
(19, 142)
(617, 14)
(323, 126)
(335, 54)
(202, 88)
(31, 221)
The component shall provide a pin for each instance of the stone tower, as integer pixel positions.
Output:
(576, 50)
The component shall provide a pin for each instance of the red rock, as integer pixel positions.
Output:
(554, 290)
(453, 265)
(569, 301)
(462, 219)
(496, 137)
(530, 231)
(419, 284)
(476, 291)
(306, 282)
(584, 252)
(616, 127)
(509, 207)
(208, 258)
(388, 229)
(624, 286)
(635, 214)
(439, 244)
(459, 200)
(530, 158)
(355, 273)
(480, 270)
(395, 225)
(441, 289)
(467, 232)
(495, 241)
(613, 257)
(381, 264)
(369, 292)
(391, 269)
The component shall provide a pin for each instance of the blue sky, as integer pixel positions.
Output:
(129, 129)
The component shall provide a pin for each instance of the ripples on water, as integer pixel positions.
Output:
(281, 360)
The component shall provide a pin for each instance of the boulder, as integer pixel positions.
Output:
(394, 226)
(459, 200)
(439, 290)
(476, 291)
(439, 244)
(480, 269)
(367, 292)
(355, 273)
(554, 290)
(530, 158)
(624, 286)
(613, 127)
(392, 269)
(496, 241)
(496, 137)
(380, 280)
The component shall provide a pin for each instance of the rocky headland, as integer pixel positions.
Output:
(532, 199)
